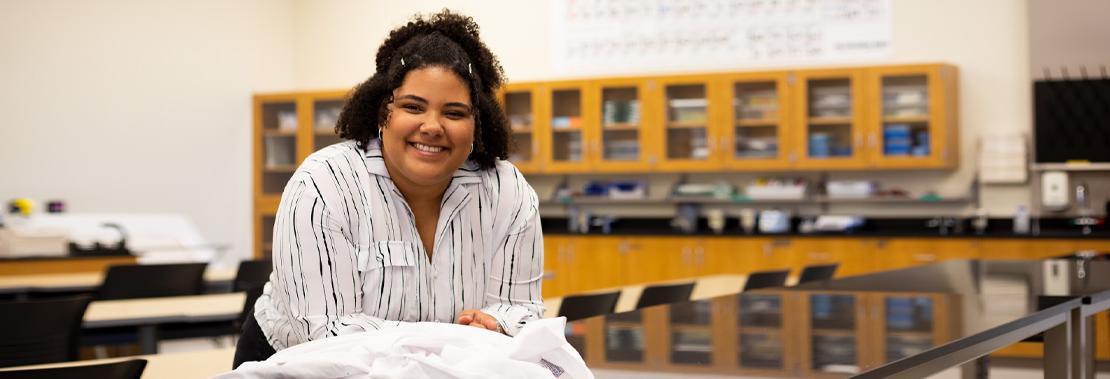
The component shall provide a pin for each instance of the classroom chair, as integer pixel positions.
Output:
(40, 331)
(665, 294)
(576, 307)
(158, 280)
(765, 279)
(817, 273)
(253, 273)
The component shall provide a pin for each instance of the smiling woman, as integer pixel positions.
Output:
(417, 217)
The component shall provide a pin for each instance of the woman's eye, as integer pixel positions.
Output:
(411, 107)
(456, 115)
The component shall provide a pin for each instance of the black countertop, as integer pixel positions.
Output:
(911, 309)
(877, 228)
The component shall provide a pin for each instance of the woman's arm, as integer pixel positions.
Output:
(317, 291)
(514, 294)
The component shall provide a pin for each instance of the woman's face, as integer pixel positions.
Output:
(430, 128)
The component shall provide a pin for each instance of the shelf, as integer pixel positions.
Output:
(1078, 166)
(906, 119)
(285, 168)
(522, 129)
(759, 330)
(687, 124)
(756, 122)
(279, 133)
(324, 132)
(566, 130)
(608, 127)
(833, 332)
(830, 120)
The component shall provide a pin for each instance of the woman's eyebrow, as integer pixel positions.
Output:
(414, 98)
(457, 104)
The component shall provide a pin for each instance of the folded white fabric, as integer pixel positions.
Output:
(428, 350)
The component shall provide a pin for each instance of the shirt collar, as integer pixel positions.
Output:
(468, 173)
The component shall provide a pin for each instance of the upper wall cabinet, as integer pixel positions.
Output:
(521, 105)
(896, 117)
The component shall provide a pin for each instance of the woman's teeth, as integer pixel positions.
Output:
(426, 148)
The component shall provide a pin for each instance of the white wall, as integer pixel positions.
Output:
(139, 105)
(987, 40)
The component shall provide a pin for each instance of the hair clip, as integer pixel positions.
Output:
(468, 71)
(402, 61)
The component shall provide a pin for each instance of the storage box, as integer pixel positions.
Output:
(33, 243)
(776, 192)
(850, 189)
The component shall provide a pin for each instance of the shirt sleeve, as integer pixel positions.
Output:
(316, 287)
(514, 293)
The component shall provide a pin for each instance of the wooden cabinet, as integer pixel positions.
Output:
(897, 117)
(287, 128)
(758, 121)
(854, 256)
(521, 104)
(911, 122)
(899, 253)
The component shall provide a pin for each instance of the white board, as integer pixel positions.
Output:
(607, 36)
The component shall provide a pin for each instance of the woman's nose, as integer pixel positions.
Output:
(431, 125)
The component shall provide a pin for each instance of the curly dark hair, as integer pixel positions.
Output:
(447, 40)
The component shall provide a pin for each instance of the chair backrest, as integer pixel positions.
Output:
(818, 272)
(135, 281)
(129, 369)
(577, 307)
(40, 331)
(764, 279)
(253, 293)
(252, 274)
(665, 294)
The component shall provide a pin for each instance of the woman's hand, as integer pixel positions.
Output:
(479, 319)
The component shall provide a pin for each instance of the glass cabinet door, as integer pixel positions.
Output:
(760, 327)
(567, 125)
(831, 103)
(688, 139)
(756, 138)
(908, 326)
(278, 143)
(911, 116)
(325, 115)
(520, 108)
(691, 333)
(621, 134)
(834, 333)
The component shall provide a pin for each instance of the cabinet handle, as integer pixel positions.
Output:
(699, 255)
(874, 141)
(686, 255)
(859, 140)
(925, 257)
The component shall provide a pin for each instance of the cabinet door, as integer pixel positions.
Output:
(909, 324)
(597, 263)
(277, 120)
(908, 252)
(324, 108)
(756, 131)
(852, 255)
(565, 146)
(622, 136)
(833, 333)
(555, 265)
(521, 107)
(689, 107)
(775, 254)
(912, 119)
(646, 260)
(829, 108)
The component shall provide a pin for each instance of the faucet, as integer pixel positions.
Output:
(943, 224)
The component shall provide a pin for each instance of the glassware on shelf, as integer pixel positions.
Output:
(279, 151)
(834, 354)
(567, 146)
(761, 350)
(756, 101)
(761, 311)
(830, 98)
(832, 311)
(688, 110)
(905, 96)
(692, 346)
(624, 343)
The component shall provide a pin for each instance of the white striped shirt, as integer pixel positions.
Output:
(347, 256)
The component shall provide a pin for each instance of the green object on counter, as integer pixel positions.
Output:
(931, 197)
(741, 198)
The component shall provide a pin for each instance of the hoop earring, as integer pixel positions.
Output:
(379, 133)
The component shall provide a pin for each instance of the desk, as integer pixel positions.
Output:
(194, 364)
(147, 314)
(83, 281)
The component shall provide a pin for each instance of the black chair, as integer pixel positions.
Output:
(129, 369)
(818, 273)
(40, 331)
(137, 281)
(765, 279)
(576, 307)
(665, 294)
(252, 274)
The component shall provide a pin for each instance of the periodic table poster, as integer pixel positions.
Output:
(602, 36)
